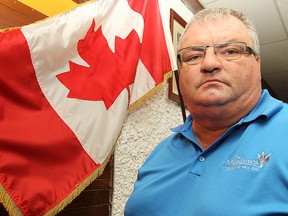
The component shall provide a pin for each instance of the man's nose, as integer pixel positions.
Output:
(210, 61)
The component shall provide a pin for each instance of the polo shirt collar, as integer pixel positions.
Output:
(266, 107)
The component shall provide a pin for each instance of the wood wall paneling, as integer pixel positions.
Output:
(16, 14)
(95, 200)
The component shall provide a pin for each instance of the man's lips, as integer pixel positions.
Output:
(212, 81)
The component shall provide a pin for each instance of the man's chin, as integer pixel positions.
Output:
(208, 100)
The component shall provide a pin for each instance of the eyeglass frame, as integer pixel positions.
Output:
(246, 50)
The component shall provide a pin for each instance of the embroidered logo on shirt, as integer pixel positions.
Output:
(241, 162)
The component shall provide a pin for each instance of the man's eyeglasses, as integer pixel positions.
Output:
(228, 51)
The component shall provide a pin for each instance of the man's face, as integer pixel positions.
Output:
(216, 82)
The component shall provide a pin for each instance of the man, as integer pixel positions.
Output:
(231, 155)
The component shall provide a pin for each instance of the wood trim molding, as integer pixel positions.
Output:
(193, 5)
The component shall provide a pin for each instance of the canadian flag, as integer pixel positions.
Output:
(65, 86)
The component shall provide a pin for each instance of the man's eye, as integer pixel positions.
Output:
(230, 52)
(193, 57)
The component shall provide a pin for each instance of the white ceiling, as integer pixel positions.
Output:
(271, 20)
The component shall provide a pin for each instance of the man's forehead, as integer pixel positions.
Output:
(226, 28)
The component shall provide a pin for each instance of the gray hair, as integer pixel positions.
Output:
(216, 13)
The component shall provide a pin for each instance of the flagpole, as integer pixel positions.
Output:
(176, 74)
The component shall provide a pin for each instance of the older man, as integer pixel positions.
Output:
(230, 156)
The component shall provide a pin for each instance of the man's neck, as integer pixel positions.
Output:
(206, 137)
(210, 124)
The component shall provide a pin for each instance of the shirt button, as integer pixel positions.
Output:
(201, 158)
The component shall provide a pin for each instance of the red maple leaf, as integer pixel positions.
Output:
(109, 73)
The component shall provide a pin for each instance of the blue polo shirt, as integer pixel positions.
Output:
(244, 173)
